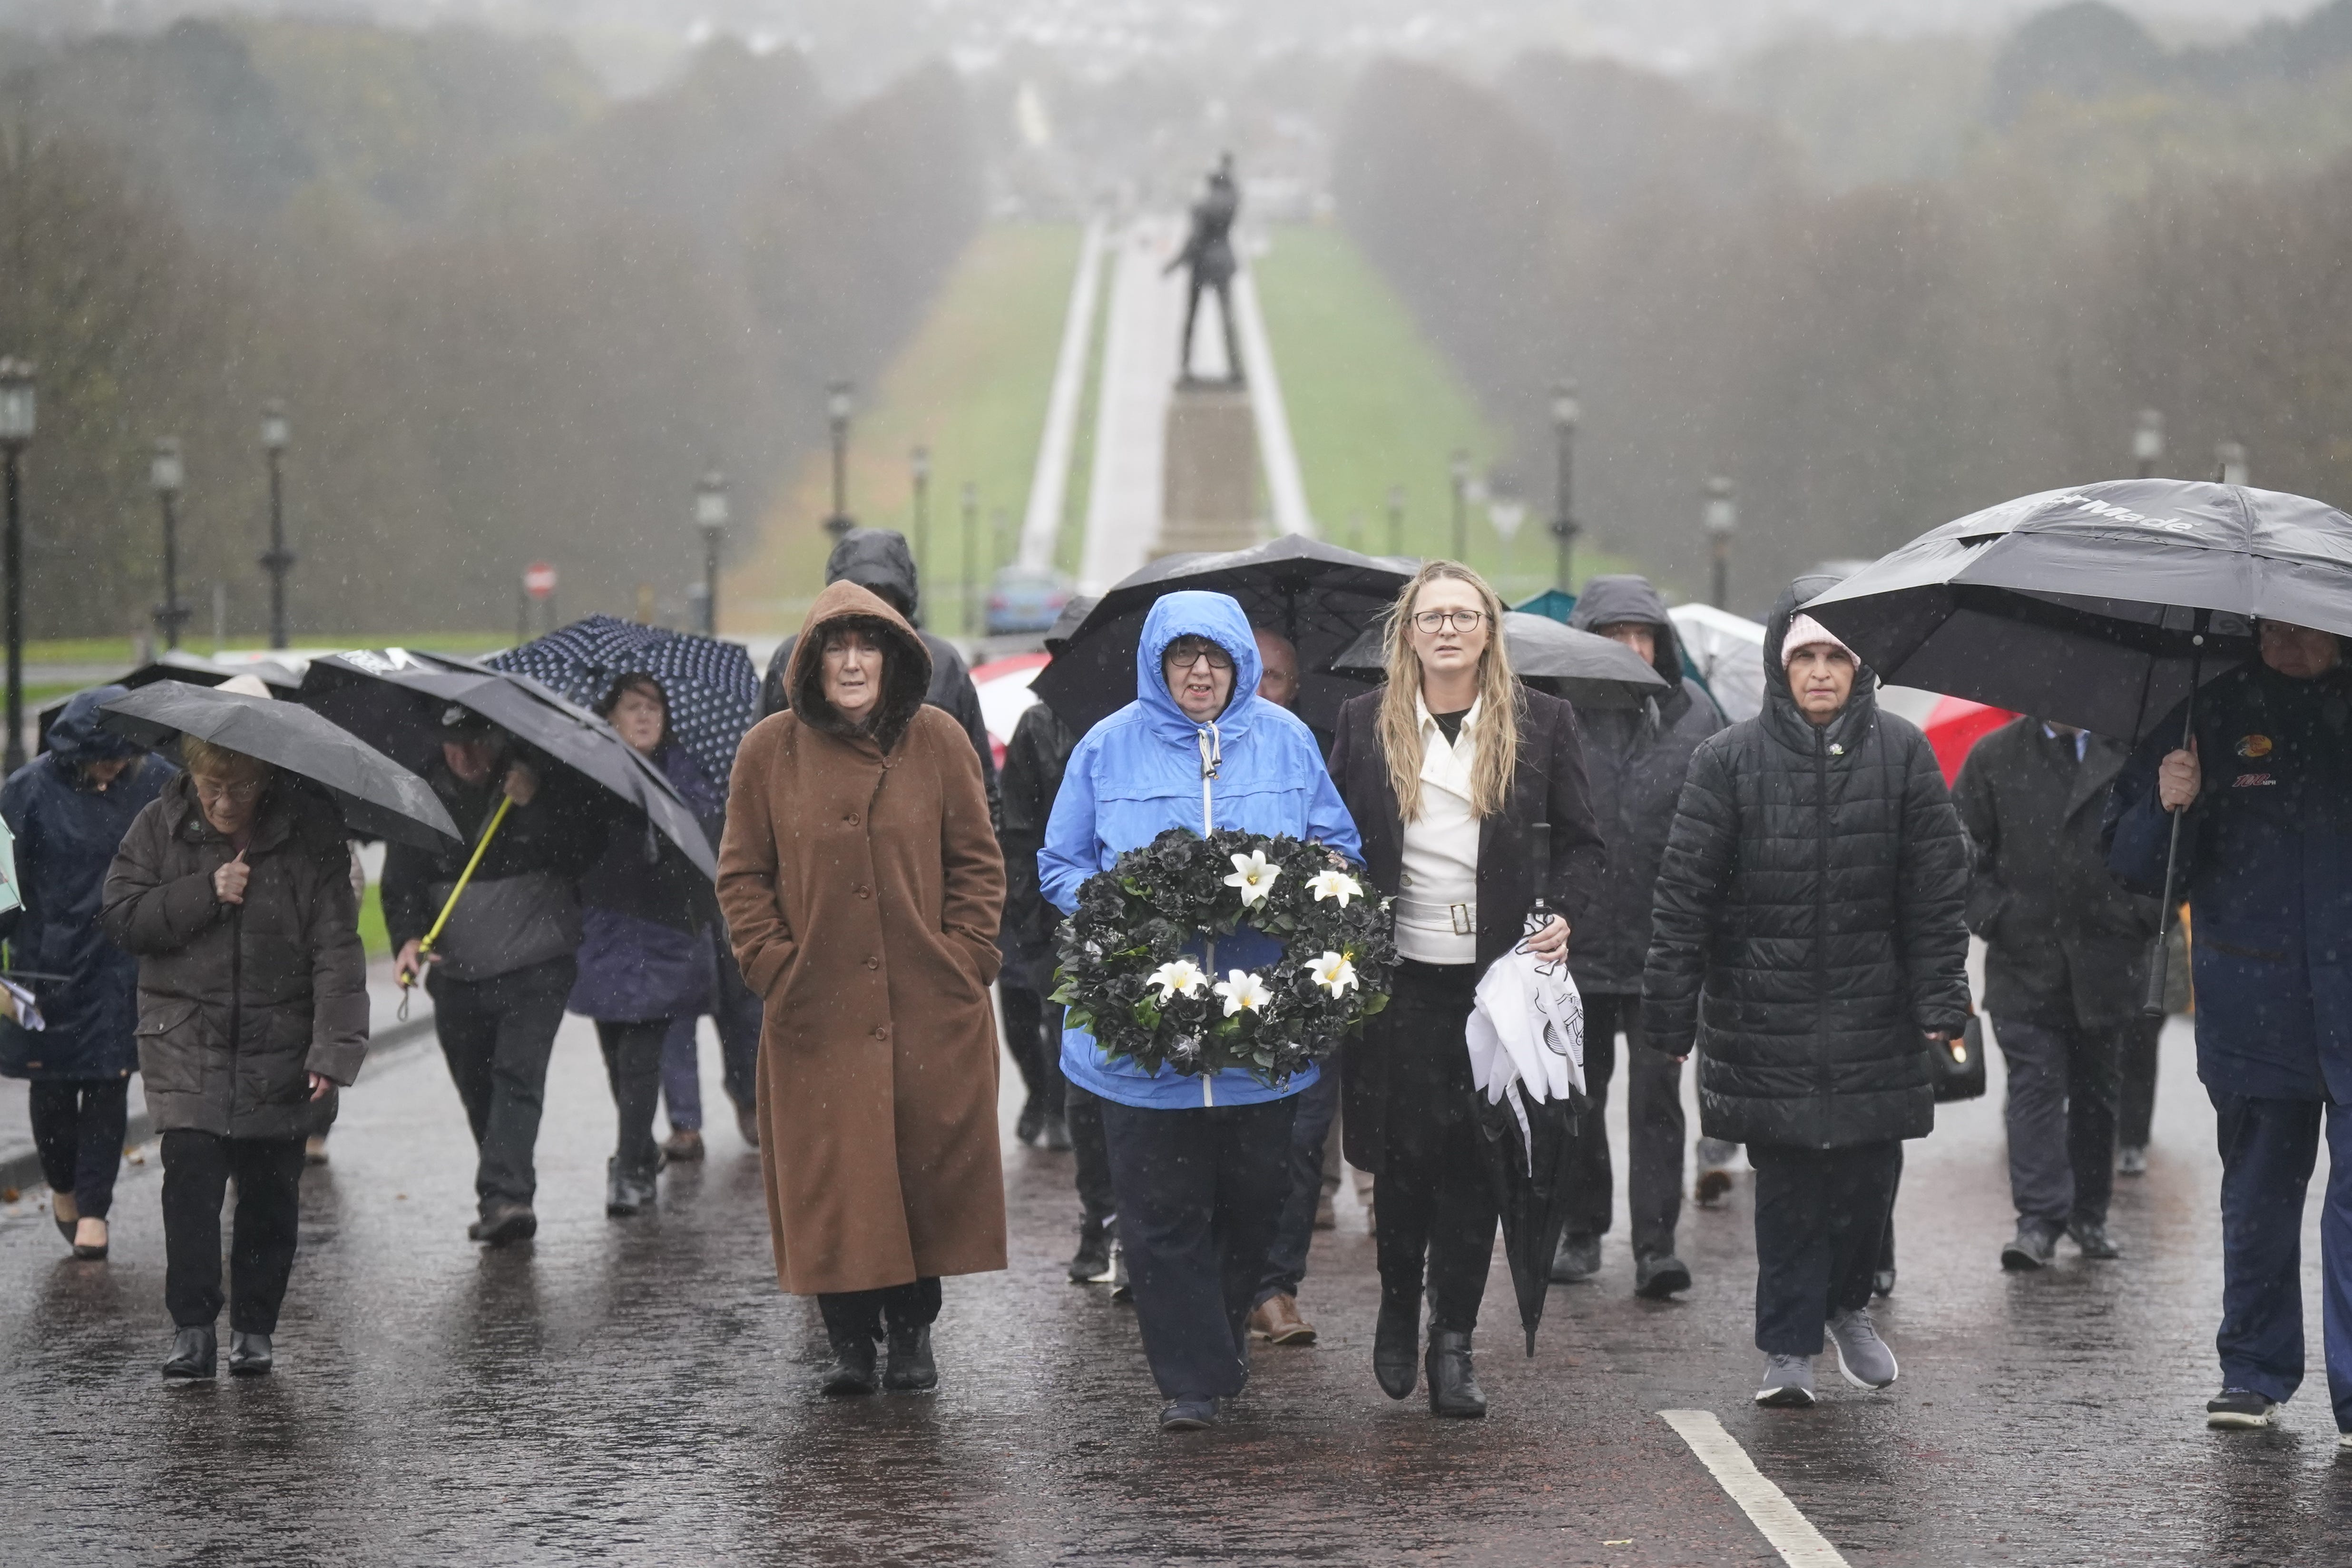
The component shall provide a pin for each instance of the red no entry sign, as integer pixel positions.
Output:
(538, 579)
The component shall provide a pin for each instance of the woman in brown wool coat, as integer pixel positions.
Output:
(862, 885)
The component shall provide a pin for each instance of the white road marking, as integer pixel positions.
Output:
(1767, 1507)
(1050, 483)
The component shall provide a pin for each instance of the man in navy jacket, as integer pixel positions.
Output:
(2266, 863)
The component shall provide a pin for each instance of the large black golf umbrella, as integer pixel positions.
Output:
(393, 698)
(1584, 668)
(2097, 605)
(379, 798)
(1319, 595)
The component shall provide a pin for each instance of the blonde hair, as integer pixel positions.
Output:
(201, 756)
(1498, 734)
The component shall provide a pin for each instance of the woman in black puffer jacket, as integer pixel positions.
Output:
(1808, 940)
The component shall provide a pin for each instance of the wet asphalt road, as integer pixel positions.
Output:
(638, 1391)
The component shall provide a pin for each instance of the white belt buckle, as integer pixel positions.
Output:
(1462, 924)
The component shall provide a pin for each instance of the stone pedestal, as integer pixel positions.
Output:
(1209, 481)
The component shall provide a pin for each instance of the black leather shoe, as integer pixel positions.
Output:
(504, 1223)
(1578, 1258)
(192, 1352)
(1395, 1336)
(2091, 1236)
(626, 1192)
(2032, 1246)
(1188, 1414)
(1453, 1388)
(250, 1355)
(1030, 1122)
(911, 1368)
(1092, 1259)
(1659, 1275)
(851, 1372)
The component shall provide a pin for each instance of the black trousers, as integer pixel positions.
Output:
(496, 1035)
(853, 1315)
(1200, 1192)
(1032, 1033)
(78, 1127)
(1654, 1124)
(1098, 1205)
(633, 1065)
(197, 1170)
(1820, 1222)
(1437, 1214)
(1311, 1129)
(2136, 1112)
(2061, 1119)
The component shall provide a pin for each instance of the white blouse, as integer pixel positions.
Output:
(1437, 900)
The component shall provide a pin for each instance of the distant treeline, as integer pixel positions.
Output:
(510, 318)
(1867, 362)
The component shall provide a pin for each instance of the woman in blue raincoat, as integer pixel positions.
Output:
(68, 809)
(1199, 1165)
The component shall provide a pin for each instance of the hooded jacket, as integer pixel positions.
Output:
(1035, 761)
(1149, 768)
(67, 832)
(878, 559)
(862, 889)
(1634, 761)
(1807, 930)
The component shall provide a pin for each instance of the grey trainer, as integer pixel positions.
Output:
(1788, 1383)
(1862, 1355)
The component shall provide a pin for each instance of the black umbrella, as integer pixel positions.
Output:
(380, 799)
(1588, 669)
(1319, 595)
(281, 675)
(1533, 1172)
(2102, 606)
(393, 698)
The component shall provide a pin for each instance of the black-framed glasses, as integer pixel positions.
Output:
(1186, 652)
(1457, 620)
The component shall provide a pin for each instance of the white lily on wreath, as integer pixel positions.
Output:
(1182, 977)
(1242, 991)
(1253, 875)
(1334, 974)
(1335, 884)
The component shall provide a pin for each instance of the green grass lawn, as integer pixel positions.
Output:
(1373, 404)
(371, 932)
(972, 386)
(120, 650)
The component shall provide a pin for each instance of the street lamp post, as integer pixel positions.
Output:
(837, 407)
(1396, 519)
(2148, 442)
(1459, 472)
(15, 432)
(2230, 462)
(710, 516)
(919, 463)
(1722, 522)
(1564, 415)
(280, 560)
(165, 475)
(971, 545)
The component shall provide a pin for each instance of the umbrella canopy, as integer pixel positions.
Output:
(281, 675)
(714, 694)
(2097, 605)
(1319, 595)
(380, 799)
(1588, 669)
(392, 698)
(1533, 1172)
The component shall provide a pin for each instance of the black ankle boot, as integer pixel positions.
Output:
(851, 1372)
(1452, 1386)
(250, 1355)
(193, 1354)
(911, 1368)
(1394, 1336)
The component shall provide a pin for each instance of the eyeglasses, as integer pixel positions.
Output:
(244, 792)
(1458, 620)
(1185, 655)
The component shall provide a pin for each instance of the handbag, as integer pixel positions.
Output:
(1957, 1068)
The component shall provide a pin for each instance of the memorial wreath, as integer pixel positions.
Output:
(1126, 976)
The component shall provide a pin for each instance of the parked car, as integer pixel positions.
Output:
(1023, 600)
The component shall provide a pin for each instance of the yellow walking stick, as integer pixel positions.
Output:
(408, 976)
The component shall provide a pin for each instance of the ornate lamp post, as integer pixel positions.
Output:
(1565, 412)
(918, 464)
(710, 516)
(2148, 442)
(17, 411)
(280, 560)
(837, 407)
(1458, 471)
(165, 475)
(1722, 522)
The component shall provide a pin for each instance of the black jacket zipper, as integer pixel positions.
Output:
(1822, 926)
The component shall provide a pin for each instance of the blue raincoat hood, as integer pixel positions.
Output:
(1193, 614)
(76, 738)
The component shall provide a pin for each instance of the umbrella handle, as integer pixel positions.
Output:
(425, 945)
(2151, 1003)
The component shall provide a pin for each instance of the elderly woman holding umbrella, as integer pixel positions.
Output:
(1447, 769)
(861, 887)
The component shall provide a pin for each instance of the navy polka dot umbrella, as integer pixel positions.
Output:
(713, 692)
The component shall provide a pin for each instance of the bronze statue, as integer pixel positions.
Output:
(1209, 252)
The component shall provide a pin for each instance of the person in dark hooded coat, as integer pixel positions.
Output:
(68, 809)
(877, 559)
(1634, 760)
(1807, 939)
